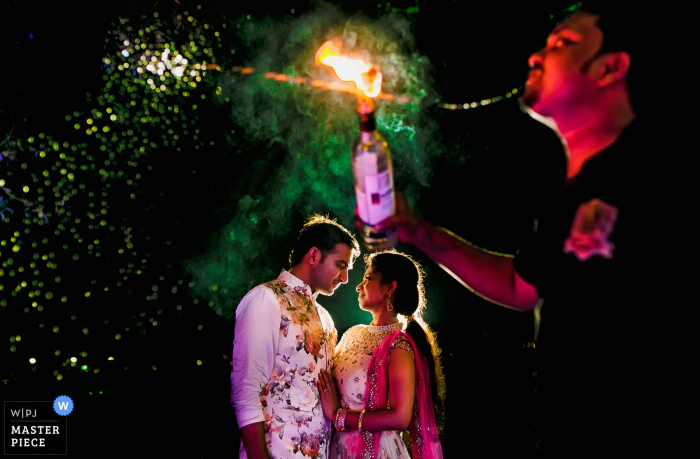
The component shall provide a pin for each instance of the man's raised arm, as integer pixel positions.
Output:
(490, 276)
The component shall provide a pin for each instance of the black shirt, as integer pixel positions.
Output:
(592, 262)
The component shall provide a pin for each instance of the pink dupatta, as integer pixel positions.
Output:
(424, 435)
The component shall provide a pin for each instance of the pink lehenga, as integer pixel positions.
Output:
(361, 369)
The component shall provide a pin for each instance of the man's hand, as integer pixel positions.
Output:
(490, 275)
(253, 436)
(408, 224)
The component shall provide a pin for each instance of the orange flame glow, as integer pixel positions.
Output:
(366, 76)
(345, 86)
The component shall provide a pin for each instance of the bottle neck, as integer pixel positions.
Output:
(367, 123)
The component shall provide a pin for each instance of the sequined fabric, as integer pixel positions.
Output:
(425, 441)
(350, 365)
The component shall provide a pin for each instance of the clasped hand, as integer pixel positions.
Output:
(330, 402)
(405, 220)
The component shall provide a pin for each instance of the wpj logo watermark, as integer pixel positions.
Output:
(33, 428)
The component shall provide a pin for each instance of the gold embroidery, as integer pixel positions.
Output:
(364, 339)
(401, 343)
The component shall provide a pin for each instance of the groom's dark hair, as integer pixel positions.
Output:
(322, 233)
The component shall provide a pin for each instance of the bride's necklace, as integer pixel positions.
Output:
(384, 328)
(372, 335)
(365, 338)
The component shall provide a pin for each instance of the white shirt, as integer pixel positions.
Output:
(256, 344)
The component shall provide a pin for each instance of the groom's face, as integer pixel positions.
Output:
(333, 270)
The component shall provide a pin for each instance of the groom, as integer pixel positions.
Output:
(283, 339)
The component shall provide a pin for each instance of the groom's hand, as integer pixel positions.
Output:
(253, 436)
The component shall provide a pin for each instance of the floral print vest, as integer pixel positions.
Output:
(294, 423)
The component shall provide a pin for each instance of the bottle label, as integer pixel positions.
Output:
(376, 203)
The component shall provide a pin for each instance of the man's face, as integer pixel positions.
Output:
(327, 276)
(560, 78)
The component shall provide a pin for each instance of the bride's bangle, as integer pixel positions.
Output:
(359, 420)
(340, 419)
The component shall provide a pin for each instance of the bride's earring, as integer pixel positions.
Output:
(389, 306)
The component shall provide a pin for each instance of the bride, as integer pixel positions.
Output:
(387, 374)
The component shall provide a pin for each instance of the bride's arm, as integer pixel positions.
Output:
(402, 384)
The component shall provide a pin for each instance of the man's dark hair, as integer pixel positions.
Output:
(322, 233)
(622, 31)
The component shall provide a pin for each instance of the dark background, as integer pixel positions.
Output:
(485, 188)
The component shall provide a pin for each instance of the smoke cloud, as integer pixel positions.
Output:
(315, 128)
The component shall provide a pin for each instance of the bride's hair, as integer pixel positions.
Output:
(409, 302)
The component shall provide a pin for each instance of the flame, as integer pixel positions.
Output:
(345, 86)
(366, 76)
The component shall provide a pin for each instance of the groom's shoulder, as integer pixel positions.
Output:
(277, 286)
(268, 290)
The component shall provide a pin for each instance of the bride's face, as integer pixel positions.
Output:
(372, 293)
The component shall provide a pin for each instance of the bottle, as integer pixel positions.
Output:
(374, 180)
